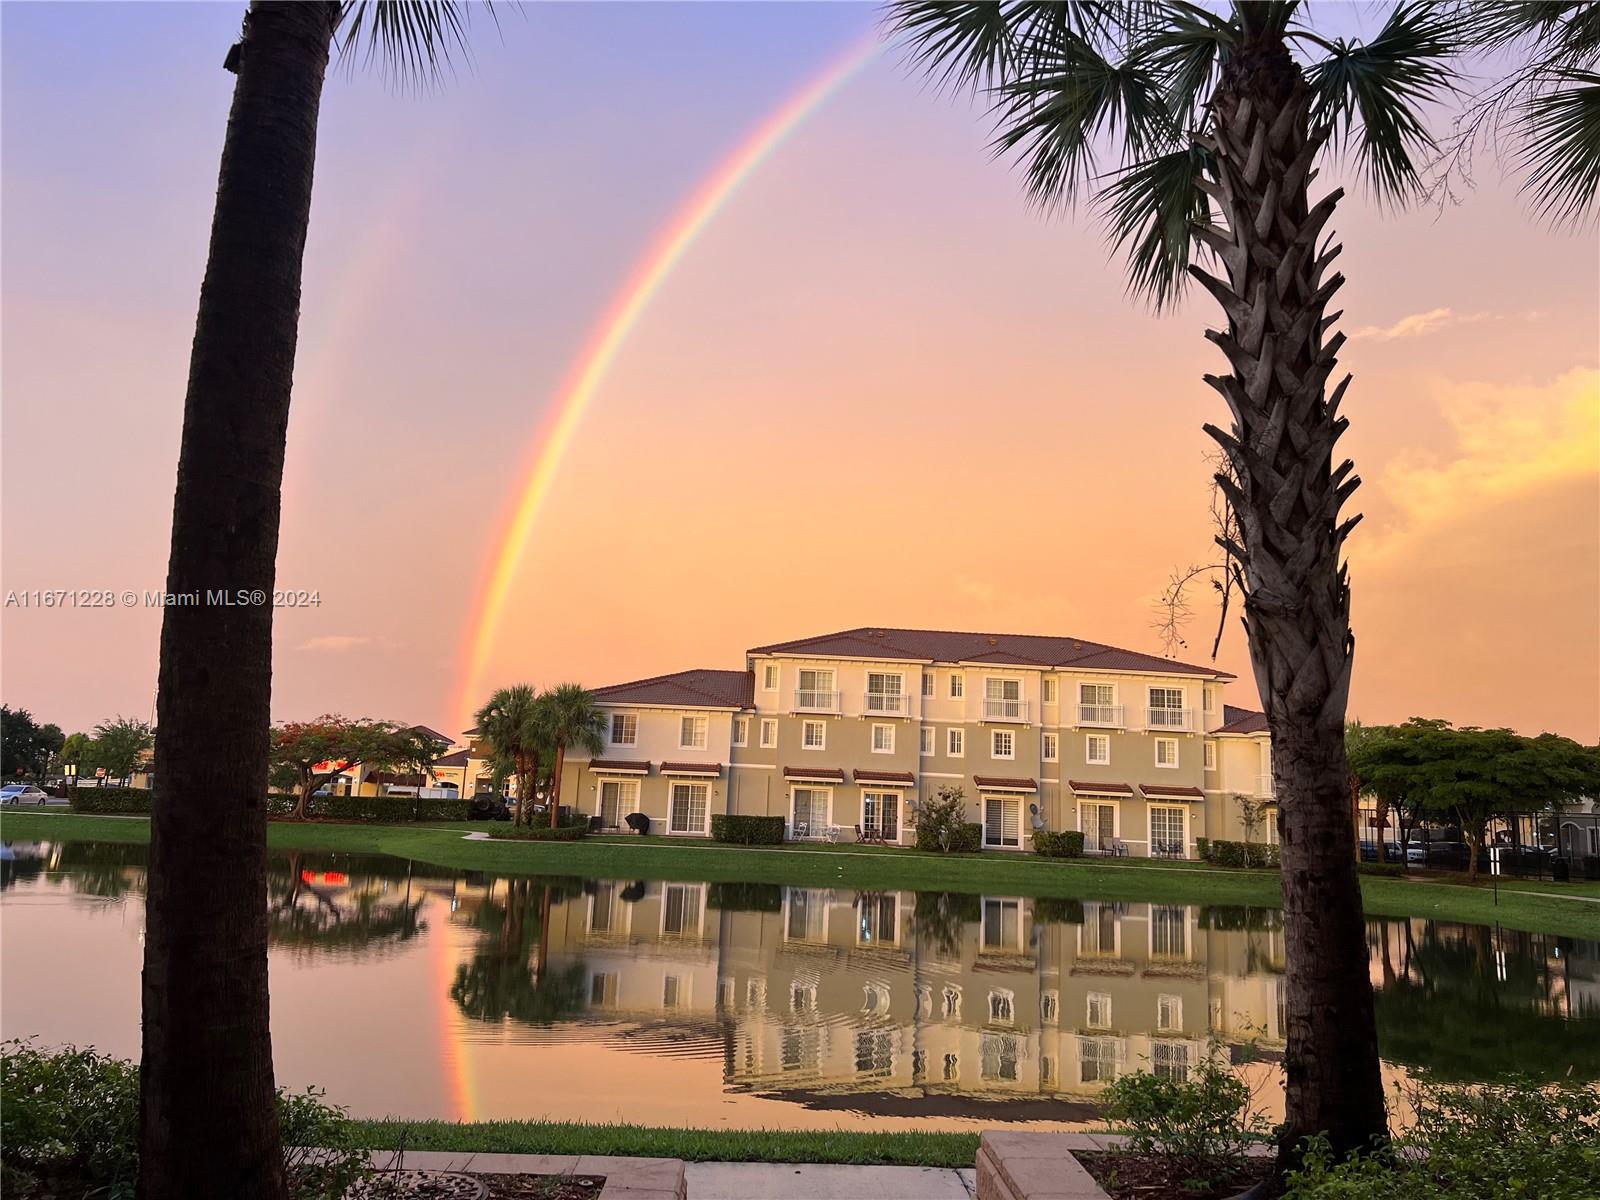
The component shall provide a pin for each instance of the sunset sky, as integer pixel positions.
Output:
(877, 388)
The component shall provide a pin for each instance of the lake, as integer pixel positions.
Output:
(411, 990)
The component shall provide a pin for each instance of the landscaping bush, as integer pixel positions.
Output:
(1237, 854)
(541, 833)
(747, 831)
(939, 819)
(745, 897)
(1388, 869)
(1058, 844)
(382, 810)
(967, 839)
(1057, 910)
(69, 1121)
(110, 801)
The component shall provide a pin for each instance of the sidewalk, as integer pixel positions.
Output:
(800, 1181)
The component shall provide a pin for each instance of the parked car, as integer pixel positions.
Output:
(1391, 851)
(1450, 856)
(23, 793)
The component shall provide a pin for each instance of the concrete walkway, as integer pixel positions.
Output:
(802, 1181)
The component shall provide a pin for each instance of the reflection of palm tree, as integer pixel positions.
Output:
(500, 981)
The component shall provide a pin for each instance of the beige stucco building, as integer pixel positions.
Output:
(851, 731)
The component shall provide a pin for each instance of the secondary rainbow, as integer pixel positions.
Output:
(605, 342)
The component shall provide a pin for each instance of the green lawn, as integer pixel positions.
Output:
(692, 1145)
(1134, 879)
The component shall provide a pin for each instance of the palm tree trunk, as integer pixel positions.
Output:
(1287, 498)
(555, 786)
(208, 1122)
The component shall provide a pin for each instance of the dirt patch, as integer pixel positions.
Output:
(407, 1184)
(1129, 1176)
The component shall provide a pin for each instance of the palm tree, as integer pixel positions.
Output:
(1217, 121)
(511, 722)
(208, 1125)
(569, 716)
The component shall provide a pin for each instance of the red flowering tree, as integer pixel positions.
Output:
(317, 751)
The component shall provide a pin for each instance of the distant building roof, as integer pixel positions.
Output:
(1242, 720)
(1000, 649)
(432, 733)
(699, 688)
(458, 759)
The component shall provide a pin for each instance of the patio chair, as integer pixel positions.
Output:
(596, 824)
(861, 836)
(1119, 848)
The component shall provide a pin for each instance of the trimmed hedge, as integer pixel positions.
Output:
(747, 831)
(1057, 910)
(968, 839)
(745, 897)
(377, 809)
(1237, 854)
(1066, 843)
(1383, 868)
(110, 801)
(540, 833)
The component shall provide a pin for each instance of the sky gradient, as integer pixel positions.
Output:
(877, 388)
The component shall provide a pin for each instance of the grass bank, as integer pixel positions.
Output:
(691, 1145)
(1567, 909)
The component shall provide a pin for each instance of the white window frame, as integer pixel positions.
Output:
(929, 743)
(672, 795)
(955, 741)
(769, 733)
(699, 890)
(1050, 747)
(879, 797)
(1102, 1001)
(1003, 799)
(884, 729)
(812, 830)
(1208, 697)
(627, 792)
(741, 731)
(928, 683)
(1100, 802)
(1002, 1006)
(996, 736)
(1176, 753)
(624, 718)
(1049, 690)
(700, 736)
(1183, 824)
(770, 671)
(1211, 756)
(1088, 749)
(1169, 1014)
(958, 686)
(805, 731)
(899, 692)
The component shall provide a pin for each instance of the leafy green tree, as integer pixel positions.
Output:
(75, 749)
(511, 726)
(316, 752)
(1214, 123)
(1384, 763)
(208, 1121)
(569, 717)
(26, 747)
(119, 745)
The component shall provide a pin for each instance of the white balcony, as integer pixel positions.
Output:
(810, 700)
(1004, 710)
(1169, 718)
(1264, 785)
(1103, 716)
(887, 704)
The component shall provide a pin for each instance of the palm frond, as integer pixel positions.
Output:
(1150, 210)
(1371, 94)
(971, 45)
(1185, 53)
(415, 41)
(1561, 147)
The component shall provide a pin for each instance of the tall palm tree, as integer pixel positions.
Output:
(512, 723)
(208, 1125)
(1217, 122)
(569, 716)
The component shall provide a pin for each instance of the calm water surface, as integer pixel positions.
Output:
(414, 990)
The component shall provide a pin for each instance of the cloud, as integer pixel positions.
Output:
(1423, 323)
(334, 642)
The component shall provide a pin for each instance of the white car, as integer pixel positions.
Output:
(23, 793)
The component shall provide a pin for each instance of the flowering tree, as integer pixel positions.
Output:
(317, 751)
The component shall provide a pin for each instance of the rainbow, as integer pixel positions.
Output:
(605, 342)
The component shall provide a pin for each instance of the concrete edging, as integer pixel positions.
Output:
(626, 1178)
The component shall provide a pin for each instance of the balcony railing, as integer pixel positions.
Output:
(810, 700)
(1106, 715)
(1264, 784)
(1004, 710)
(890, 704)
(1169, 718)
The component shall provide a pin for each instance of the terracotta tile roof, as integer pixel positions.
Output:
(1163, 789)
(699, 688)
(1242, 720)
(1001, 783)
(1119, 789)
(832, 774)
(1010, 649)
(458, 759)
(691, 768)
(624, 765)
(885, 777)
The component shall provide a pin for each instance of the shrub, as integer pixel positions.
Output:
(1058, 844)
(1514, 1140)
(1056, 910)
(1237, 854)
(110, 801)
(1389, 869)
(939, 820)
(747, 831)
(69, 1120)
(541, 833)
(377, 809)
(967, 839)
(1198, 1129)
(745, 897)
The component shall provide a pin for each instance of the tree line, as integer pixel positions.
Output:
(40, 752)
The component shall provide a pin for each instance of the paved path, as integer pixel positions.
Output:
(800, 1181)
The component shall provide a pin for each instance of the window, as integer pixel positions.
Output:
(692, 733)
(1166, 831)
(807, 916)
(814, 735)
(951, 1003)
(880, 814)
(1099, 825)
(811, 805)
(958, 686)
(618, 798)
(670, 987)
(875, 1052)
(883, 739)
(624, 729)
(919, 1065)
(952, 1068)
(602, 908)
(603, 989)
(816, 690)
(769, 733)
(755, 994)
(1002, 821)
(1002, 924)
(1169, 1013)
(1097, 1059)
(1211, 699)
(1100, 935)
(928, 739)
(680, 908)
(884, 694)
(1097, 750)
(688, 813)
(1169, 931)
(1002, 1007)
(955, 742)
(877, 923)
(1098, 1015)
(1002, 699)
(875, 1000)
(1170, 1060)
(998, 1056)
(1097, 704)
(1166, 752)
(1049, 1007)
(769, 677)
(1002, 744)
(741, 731)
(801, 1047)
(1047, 1070)
(927, 683)
(803, 999)
(1211, 756)
(1049, 746)
(1047, 690)
(1272, 831)
(1166, 708)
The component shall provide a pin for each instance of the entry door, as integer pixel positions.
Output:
(1002, 822)
(688, 814)
(1099, 823)
(610, 802)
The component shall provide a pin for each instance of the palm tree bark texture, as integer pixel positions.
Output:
(1297, 608)
(208, 1125)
